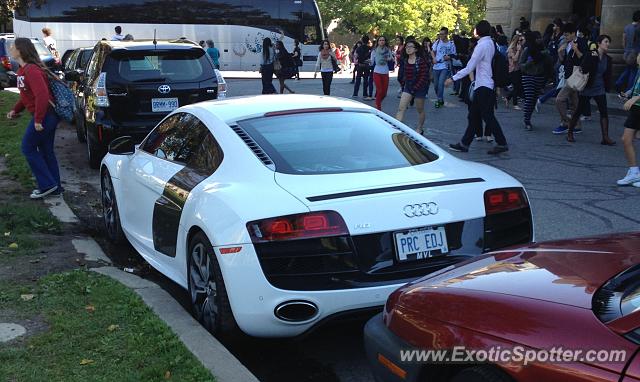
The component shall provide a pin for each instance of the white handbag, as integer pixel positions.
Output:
(578, 80)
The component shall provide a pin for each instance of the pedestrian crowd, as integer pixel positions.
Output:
(568, 62)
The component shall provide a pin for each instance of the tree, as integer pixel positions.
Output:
(409, 17)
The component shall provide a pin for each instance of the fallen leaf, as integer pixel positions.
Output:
(111, 328)
(13, 245)
(90, 308)
(27, 297)
(7, 234)
(167, 375)
(86, 361)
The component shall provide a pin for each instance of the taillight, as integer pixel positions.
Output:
(504, 199)
(298, 226)
(6, 62)
(102, 99)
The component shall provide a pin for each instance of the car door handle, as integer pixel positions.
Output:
(118, 94)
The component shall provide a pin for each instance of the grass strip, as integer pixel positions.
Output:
(11, 132)
(98, 330)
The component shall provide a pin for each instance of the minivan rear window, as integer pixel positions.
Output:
(161, 66)
(334, 143)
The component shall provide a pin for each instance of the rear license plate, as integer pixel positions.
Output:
(164, 104)
(421, 243)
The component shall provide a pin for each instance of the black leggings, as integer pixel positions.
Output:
(327, 77)
(584, 105)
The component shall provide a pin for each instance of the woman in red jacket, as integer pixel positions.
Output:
(37, 142)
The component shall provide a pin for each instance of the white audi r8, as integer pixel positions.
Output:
(279, 212)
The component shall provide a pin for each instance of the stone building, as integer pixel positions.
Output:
(614, 15)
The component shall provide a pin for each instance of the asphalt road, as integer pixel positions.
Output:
(571, 188)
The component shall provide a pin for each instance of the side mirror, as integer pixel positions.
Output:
(122, 146)
(72, 76)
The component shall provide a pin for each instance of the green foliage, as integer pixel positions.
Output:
(409, 17)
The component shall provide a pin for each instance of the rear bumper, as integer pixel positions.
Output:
(383, 347)
(103, 132)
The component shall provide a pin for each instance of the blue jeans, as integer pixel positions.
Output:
(629, 75)
(439, 77)
(550, 94)
(371, 82)
(37, 147)
(362, 75)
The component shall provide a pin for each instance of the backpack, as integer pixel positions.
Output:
(64, 102)
(499, 69)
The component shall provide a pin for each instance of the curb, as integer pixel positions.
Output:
(213, 355)
(224, 367)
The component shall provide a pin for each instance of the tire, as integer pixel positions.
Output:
(80, 131)
(481, 374)
(110, 213)
(94, 153)
(209, 300)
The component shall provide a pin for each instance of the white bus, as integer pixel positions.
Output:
(237, 27)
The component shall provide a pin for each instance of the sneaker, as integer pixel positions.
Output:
(632, 177)
(497, 149)
(528, 127)
(562, 129)
(59, 191)
(478, 138)
(488, 138)
(636, 184)
(38, 194)
(577, 130)
(537, 107)
(516, 107)
(458, 147)
(354, 96)
(585, 118)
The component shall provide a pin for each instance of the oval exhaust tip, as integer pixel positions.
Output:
(296, 311)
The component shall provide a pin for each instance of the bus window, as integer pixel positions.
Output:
(39, 13)
(312, 23)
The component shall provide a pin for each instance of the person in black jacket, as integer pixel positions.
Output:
(570, 55)
(598, 64)
(287, 66)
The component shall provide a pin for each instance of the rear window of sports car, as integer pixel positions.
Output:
(334, 143)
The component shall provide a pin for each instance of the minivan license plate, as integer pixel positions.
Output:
(421, 243)
(164, 104)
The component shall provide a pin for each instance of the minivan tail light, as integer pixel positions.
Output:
(102, 99)
(6, 62)
(504, 199)
(298, 226)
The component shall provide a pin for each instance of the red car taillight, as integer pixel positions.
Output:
(298, 226)
(504, 199)
(6, 62)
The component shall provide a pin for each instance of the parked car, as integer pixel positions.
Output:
(279, 212)
(9, 67)
(129, 86)
(581, 295)
(75, 65)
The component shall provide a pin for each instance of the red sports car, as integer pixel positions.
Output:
(557, 311)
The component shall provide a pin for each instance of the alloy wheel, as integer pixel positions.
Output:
(202, 286)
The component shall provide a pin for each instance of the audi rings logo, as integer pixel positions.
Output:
(424, 209)
(164, 89)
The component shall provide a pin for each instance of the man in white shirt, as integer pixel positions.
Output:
(118, 36)
(482, 106)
